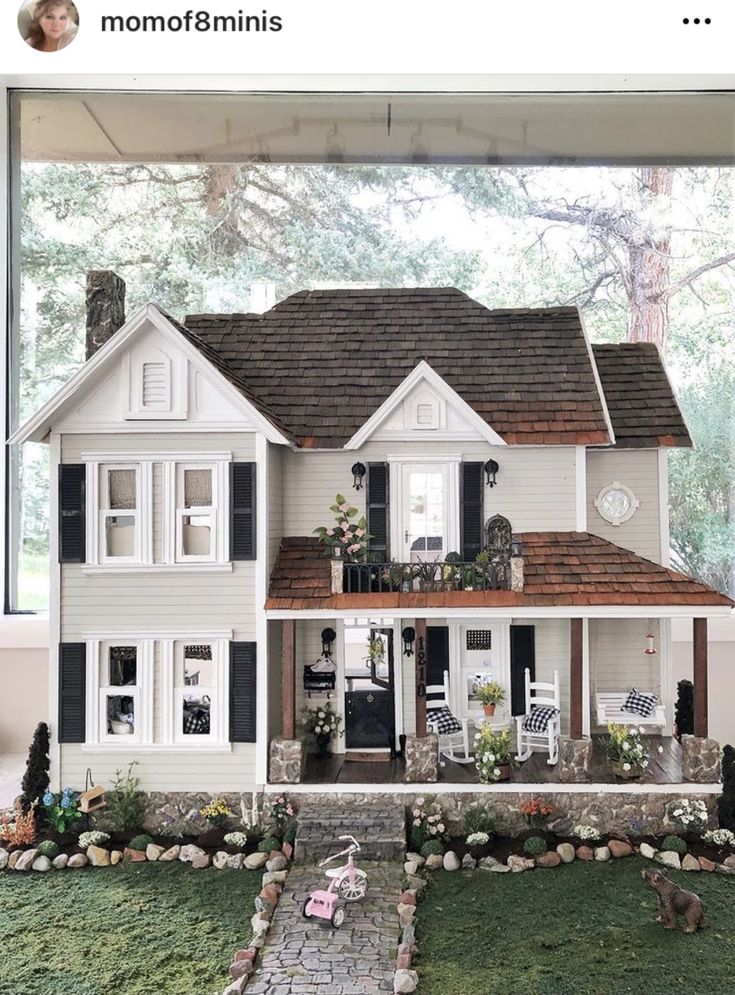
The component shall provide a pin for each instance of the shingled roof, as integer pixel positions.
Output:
(324, 361)
(559, 568)
(642, 405)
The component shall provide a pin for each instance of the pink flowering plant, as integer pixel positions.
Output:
(283, 814)
(427, 823)
(348, 532)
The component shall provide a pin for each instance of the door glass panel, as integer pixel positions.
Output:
(426, 539)
(360, 645)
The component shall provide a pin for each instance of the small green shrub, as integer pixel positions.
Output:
(140, 842)
(269, 843)
(534, 846)
(675, 843)
(47, 849)
(479, 818)
(430, 847)
(289, 835)
(126, 803)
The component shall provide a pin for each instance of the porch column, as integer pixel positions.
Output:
(700, 677)
(420, 627)
(576, 677)
(288, 678)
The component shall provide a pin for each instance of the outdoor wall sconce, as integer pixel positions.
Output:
(491, 468)
(358, 474)
(409, 637)
(516, 548)
(336, 551)
(328, 637)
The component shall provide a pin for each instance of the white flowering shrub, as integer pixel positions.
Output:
(720, 837)
(237, 839)
(427, 823)
(690, 814)
(587, 834)
(478, 839)
(94, 837)
(626, 748)
(322, 720)
(492, 753)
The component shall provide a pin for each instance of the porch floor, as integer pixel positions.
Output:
(664, 768)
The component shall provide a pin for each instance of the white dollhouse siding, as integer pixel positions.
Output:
(552, 641)
(535, 489)
(617, 658)
(234, 771)
(638, 470)
(275, 503)
(240, 444)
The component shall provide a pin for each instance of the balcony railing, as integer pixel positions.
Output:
(439, 576)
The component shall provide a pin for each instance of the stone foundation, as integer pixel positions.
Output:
(701, 760)
(287, 760)
(176, 813)
(575, 757)
(422, 759)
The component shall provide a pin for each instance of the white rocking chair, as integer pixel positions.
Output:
(438, 697)
(540, 694)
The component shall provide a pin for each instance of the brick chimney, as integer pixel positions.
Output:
(105, 307)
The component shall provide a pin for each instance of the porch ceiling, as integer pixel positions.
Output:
(561, 569)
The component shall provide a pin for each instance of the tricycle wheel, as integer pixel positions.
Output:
(353, 891)
(338, 916)
(304, 907)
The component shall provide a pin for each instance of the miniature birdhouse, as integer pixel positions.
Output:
(92, 800)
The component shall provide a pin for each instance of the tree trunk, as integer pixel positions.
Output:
(649, 265)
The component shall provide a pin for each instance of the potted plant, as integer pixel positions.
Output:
(490, 694)
(348, 535)
(625, 750)
(492, 754)
(323, 723)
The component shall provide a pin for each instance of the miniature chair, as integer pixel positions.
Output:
(453, 734)
(540, 726)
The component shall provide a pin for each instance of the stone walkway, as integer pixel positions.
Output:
(306, 957)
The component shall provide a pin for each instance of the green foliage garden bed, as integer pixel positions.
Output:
(134, 929)
(580, 929)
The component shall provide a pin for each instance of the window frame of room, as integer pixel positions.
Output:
(172, 696)
(143, 694)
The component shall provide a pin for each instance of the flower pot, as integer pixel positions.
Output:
(618, 771)
(322, 744)
(504, 772)
(489, 709)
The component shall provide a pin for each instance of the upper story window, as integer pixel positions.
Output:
(119, 520)
(616, 503)
(196, 513)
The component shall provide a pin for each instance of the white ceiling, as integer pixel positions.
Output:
(562, 128)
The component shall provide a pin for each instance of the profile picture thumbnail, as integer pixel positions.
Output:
(48, 25)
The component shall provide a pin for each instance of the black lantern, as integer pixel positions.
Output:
(409, 637)
(491, 468)
(358, 473)
(516, 548)
(328, 637)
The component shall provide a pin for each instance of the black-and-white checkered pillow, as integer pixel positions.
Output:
(441, 721)
(640, 703)
(539, 717)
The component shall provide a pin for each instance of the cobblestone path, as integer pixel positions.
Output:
(306, 957)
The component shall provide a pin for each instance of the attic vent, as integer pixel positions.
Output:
(155, 386)
(425, 414)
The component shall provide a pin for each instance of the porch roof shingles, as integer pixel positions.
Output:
(560, 568)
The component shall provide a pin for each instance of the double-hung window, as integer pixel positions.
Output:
(197, 502)
(119, 540)
(121, 695)
(200, 692)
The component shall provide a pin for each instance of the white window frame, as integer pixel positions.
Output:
(174, 511)
(211, 512)
(98, 690)
(97, 512)
(633, 506)
(173, 690)
(450, 463)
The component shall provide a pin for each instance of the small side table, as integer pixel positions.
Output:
(476, 719)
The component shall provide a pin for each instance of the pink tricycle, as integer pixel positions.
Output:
(347, 884)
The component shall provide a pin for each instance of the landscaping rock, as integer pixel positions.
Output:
(42, 864)
(408, 936)
(98, 856)
(499, 868)
(287, 849)
(237, 987)
(235, 861)
(115, 857)
(412, 855)
(548, 859)
(518, 864)
(274, 877)
(451, 861)
(407, 898)
(77, 860)
(25, 861)
(153, 851)
(410, 867)
(486, 863)
(134, 856)
(729, 861)
(240, 969)
(173, 853)
(416, 884)
(724, 869)
(404, 957)
(566, 852)
(189, 852)
(618, 848)
(277, 862)
(585, 853)
(254, 861)
(669, 858)
(15, 857)
(4, 855)
(405, 981)
(690, 863)
(219, 860)
(602, 853)
(706, 864)
(469, 862)
(267, 900)
(406, 914)
(61, 861)
(249, 954)
(200, 861)
(647, 851)
(434, 861)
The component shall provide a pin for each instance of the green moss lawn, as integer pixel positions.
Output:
(155, 929)
(580, 929)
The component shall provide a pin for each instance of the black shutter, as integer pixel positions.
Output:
(72, 480)
(242, 692)
(437, 653)
(378, 511)
(471, 510)
(72, 692)
(522, 655)
(243, 522)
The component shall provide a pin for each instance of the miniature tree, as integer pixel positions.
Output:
(36, 780)
(684, 710)
(726, 801)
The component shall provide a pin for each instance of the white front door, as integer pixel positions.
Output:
(425, 512)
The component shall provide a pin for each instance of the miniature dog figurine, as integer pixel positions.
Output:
(674, 900)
